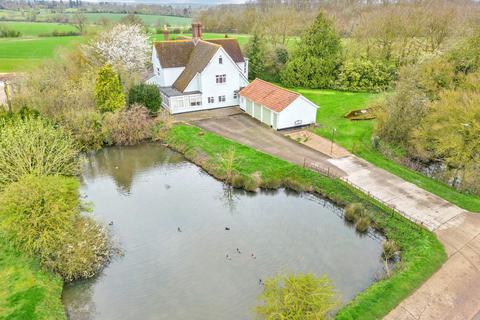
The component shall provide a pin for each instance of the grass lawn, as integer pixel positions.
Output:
(356, 135)
(422, 253)
(27, 292)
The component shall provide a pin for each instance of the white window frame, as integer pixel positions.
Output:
(221, 78)
(220, 60)
(221, 98)
(211, 99)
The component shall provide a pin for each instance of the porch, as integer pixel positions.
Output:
(178, 102)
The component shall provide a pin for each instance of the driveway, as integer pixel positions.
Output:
(248, 131)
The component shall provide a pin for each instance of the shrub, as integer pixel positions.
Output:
(85, 126)
(297, 296)
(146, 95)
(41, 217)
(34, 146)
(128, 126)
(9, 33)
(362, 225)
(85, 255)
(108, 90)
(37, 214)
(390, 248)
(365, 75)
(238, 180)
(354, 211)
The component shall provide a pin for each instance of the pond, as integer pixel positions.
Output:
(149, 191)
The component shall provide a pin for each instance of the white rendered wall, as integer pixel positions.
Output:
(299, 112)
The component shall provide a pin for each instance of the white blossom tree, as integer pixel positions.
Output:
(124, 46)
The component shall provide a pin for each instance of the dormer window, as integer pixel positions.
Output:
(220, 60)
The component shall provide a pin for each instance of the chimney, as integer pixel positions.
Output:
(166, 35)
(196, 32)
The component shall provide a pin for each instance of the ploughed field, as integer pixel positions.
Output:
(148, 192)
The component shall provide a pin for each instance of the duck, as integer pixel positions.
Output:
(179, 230)
(238, 251)
(227, 228)
(227, 256)
(253, 256)
(110, 223)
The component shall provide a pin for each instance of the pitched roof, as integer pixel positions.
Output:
(200, 56)
(269, 95)
(172, 54)
(231, 46)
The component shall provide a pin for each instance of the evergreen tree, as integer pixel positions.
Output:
(109, 95)
(147, 95)
(316, 59)
(256, 57)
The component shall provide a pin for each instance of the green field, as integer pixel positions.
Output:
(356, 137)
(46, 15)
(36, 28)
(242, 38)
(22, 54)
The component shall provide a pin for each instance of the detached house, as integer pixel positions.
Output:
(198, 74)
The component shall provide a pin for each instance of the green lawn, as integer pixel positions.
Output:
(22, 54)
(27, 292)
(422, 253)
(356, 135)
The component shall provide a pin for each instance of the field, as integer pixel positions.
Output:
(22, 54)
(356, 137)
(95, 17)
(242, 38)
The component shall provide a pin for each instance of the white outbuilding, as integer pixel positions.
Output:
(277, 107)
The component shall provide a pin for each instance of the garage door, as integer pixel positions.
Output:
(257, 111)
(249, 107)
(267, 116)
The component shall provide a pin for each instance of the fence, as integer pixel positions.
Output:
(317, 167)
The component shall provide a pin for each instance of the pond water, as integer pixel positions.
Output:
(149, 191)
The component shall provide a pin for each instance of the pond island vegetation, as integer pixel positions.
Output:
(422, 82)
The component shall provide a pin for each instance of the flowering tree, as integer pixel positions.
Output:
(123, 46)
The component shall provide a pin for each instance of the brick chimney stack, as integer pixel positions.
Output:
(166, 35)
(196, 32)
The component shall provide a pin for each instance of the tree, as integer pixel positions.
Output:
(132, 19)
(297, 297)
(147, 95)
(315, 61)
(256, 56)
(451, 130)
(109, 95)
(79, 21)
(123, 47)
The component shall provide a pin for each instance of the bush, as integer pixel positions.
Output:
(56, 33)
(34, 146)
(85, 126)
(147, 95)
(108, 90)
(128, 126)
(366, 75)
(390, 249)
(9, 33)
(297, 296)
(354, 211)
(37, 214)
(85, 255)
(362, 225)
(41, 217)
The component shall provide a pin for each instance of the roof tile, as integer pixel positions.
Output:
(269, 95)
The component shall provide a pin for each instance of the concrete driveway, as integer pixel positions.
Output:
(248, 131)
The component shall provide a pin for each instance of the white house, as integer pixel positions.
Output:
(198, 74)
(277, 107)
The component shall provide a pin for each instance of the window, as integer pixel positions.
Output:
(235, 95)
(245, 67)
(211, 99)
(196, 103)
(221, 78)
(220, 60)
(221, 98)
(158, 70)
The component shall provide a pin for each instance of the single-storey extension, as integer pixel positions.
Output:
(277, 107)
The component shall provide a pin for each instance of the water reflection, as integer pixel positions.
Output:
(150, 191)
